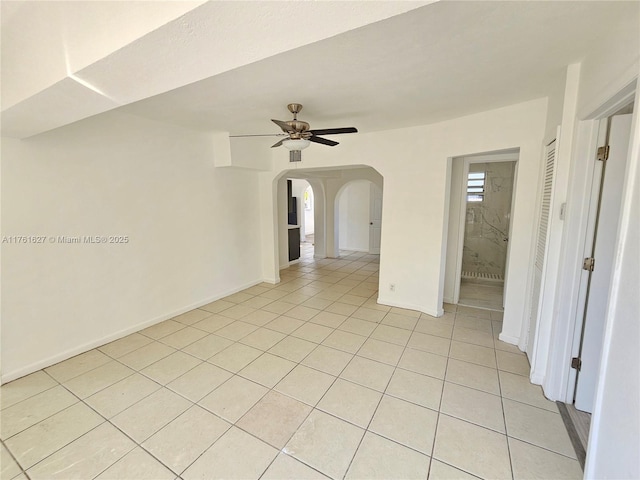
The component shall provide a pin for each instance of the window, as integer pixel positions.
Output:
(475, 186)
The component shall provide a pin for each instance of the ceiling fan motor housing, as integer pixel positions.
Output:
(298, 128)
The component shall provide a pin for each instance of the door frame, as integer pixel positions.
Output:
(512, 156)
(593, 238)
(559, 381)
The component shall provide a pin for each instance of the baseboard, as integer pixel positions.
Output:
(536, 379)
(272, 281)
(353, 249)
(72, 352)
(409, 306)
(509, 339)
(448, 300)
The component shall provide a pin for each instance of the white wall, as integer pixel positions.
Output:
(612, 65)
(353, 216)
(602, 79)
(413, 163)
(191, 230)
(555, 107)
(283, 223)
(593, 89)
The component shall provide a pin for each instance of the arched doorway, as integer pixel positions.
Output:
(326, 187)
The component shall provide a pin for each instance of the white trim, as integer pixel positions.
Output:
(547, 321)
(72, 352)
(409, 306)
(559, 379)
(536, 379)
(595, 437)
(508, 339)
(621, 93)
(363, 250)
(462, 216)
(499, 156)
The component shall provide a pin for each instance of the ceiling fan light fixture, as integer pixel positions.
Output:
(296, 144)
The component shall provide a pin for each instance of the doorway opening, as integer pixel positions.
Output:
(359, 216)
(489, 191)
(603, 198)
(481, 197)
(614, 133)
(307, 202)
(302, 196)
(317, 194)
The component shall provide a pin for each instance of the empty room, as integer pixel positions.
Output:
(311, 240)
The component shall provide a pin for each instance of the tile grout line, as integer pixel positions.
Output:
(108, 420)
(444, 380)
(272, 389)
(313, 407)
(334, 329)
(22, 470)
(382, 397)
(504, 415)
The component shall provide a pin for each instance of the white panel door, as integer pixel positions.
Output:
(604, 248)
(375, 219)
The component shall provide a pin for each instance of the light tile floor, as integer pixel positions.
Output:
(482, 294)
(307, 379)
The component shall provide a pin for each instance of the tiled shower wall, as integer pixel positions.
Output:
(487, 222)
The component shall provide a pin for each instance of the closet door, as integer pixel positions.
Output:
(541, 241)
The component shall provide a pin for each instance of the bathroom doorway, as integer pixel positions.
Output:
(488, 196)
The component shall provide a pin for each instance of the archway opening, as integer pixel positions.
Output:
(324, 187)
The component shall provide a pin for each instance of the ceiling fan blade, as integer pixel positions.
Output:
(278, 144)
(334, 131)
(283, 125)
(323, 141)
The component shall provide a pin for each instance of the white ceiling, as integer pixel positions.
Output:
(440, 61)
(231, 66)
(65, 61)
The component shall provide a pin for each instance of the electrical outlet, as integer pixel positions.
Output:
(392, 287)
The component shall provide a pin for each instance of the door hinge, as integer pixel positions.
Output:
(603, 153)
(576, 363)
(588, 264)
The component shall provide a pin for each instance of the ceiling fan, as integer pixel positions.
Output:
(299, 135)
